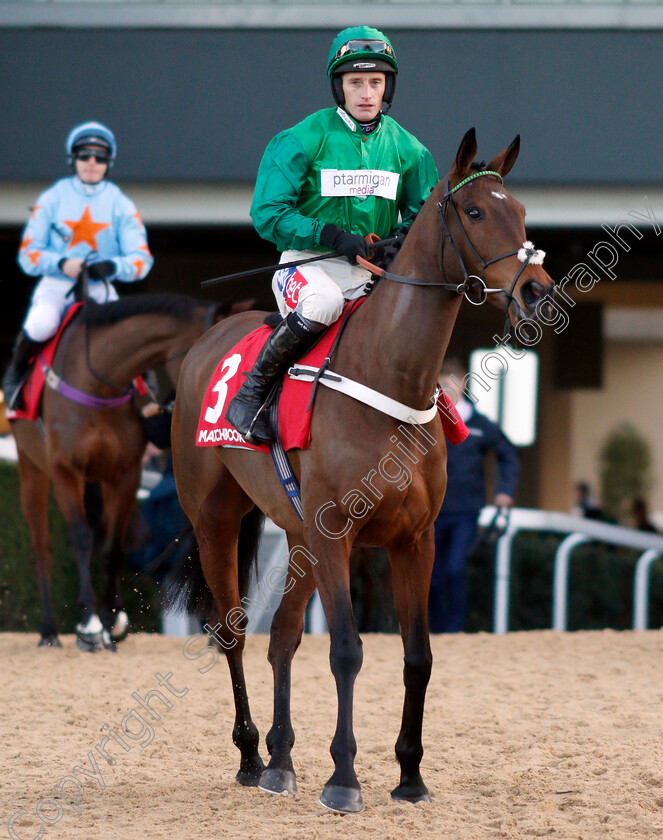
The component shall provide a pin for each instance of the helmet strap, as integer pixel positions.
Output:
(337, 89)
(389, 90)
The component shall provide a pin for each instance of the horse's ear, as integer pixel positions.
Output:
(467, 151)
(504, 161)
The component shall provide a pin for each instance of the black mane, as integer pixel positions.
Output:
(161, 303)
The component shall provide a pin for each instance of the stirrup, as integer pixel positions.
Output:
(14, 401)
(265, 439)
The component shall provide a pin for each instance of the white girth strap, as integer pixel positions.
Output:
(366, 395)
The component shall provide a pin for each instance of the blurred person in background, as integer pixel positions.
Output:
(457, 525)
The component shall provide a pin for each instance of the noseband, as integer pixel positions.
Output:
(473, 286)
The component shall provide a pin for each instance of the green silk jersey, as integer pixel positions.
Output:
(325, 169)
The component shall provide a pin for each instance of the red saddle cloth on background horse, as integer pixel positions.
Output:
(34, 383)
(294, 416)
(36, 378)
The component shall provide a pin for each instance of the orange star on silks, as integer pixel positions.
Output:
(34, 210)
(85, 229)
(146, 249)
(25, 243)
(138, 265)
(33, 256)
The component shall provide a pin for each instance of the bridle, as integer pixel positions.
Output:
(57, 383)
(473, 286)
(210, 313)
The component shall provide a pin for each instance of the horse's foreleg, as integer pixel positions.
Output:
(286, 634)
(34, 503)
(69, 491)
(118, 504)
(342, 792)
(411, 567)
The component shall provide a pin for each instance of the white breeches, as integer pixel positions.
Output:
(317, 290)
(49, 302)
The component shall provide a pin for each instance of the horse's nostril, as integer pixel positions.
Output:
(532, 293)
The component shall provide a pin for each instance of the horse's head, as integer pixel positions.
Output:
(484, 241)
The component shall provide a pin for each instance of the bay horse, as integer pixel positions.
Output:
(469, 231)
(80, 446)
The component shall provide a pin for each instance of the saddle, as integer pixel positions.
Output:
(42, 374)
(294, 410)
(34, 382)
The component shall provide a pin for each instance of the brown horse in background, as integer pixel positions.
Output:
(394, 344)
(80, 447)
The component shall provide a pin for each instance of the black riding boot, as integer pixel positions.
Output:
(285, 345)
(24, 350)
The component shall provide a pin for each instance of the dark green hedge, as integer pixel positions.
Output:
(19, 599)
(600, 582)
(600, 589)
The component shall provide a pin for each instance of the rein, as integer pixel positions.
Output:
(58, 384)
(280, 266)
(473, 287)
(128, 392)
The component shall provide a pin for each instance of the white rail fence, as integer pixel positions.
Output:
(579, 532)
(273, 561)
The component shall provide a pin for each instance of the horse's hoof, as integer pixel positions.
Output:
(89, 644)
(342, 800)
(274, 780)
(50, 641)
(90, 634)
(108, 642)
(251, 772)
(120, 629)
(411, 793)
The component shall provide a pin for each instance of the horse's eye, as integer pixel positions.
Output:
(475, 214)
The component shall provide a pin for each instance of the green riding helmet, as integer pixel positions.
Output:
(365, 50)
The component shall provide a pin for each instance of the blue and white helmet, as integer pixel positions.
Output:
(90, 133)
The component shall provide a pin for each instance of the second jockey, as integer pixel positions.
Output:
(82, 218)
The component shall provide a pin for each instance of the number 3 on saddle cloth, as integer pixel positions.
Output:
(36, 379)
(294, 420)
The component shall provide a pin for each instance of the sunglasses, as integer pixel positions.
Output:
(350, 47)
(99, 157)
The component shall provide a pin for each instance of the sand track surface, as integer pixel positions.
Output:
(527, 735)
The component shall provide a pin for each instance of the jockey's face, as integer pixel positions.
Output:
(88, 166)
(363, 95)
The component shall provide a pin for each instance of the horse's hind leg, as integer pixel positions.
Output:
(286, 634)
(34, 503)
(217, 531)
(411, 567)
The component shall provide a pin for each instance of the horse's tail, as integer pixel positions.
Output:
(186, 587)
(185, 584)
(247, 549)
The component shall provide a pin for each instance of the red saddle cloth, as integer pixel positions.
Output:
(34, 384)
(294, 420)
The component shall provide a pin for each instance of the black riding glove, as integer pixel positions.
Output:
(349, 244)
(386, 254)
(101, 270)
